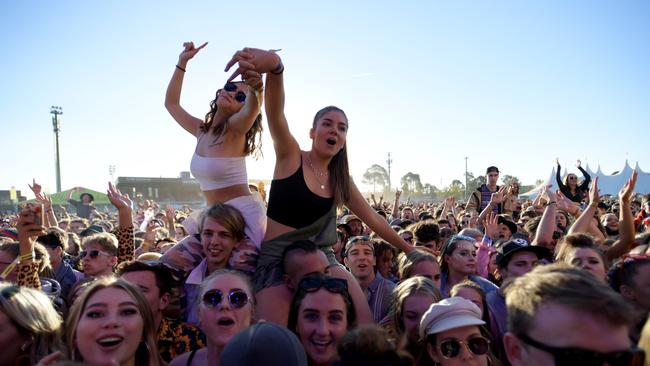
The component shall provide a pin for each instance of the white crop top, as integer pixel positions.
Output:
(215, 173)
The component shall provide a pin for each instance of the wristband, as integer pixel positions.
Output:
(278, 70)
(180, 68)
(26, 257)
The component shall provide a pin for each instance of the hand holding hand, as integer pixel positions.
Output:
(253, 59)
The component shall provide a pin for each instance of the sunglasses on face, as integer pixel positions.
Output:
(237, 298)
(232, 87)
(450, 348)
(92, 253)
(565, 356)
(313, 284)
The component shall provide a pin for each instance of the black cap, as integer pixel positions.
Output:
(510, 224)
(492, 169)
(507, 249)
(264, 344)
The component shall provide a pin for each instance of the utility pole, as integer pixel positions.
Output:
(466, 178)
(389, 161)
(111, 172)
(56, 124)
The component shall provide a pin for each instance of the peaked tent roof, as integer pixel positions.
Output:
(608, 184)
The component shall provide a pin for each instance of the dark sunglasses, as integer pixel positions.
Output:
(313, 284)
(232, 87)
(450, 348)
(92, 253)
(237, 298)
(565, 356)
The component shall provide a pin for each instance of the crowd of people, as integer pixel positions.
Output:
(317, 274)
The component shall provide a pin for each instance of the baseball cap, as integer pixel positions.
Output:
(509, 248)
(347, 218)
(510, 224)
(265, 344)
(449, 313)
(492, 169)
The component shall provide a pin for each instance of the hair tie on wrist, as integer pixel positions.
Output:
(180, 68)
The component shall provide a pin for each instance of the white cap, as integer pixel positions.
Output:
(450, 313)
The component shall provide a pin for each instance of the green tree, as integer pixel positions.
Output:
(376, 175)
(411, 184)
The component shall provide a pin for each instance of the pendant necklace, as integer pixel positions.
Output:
(318, 174)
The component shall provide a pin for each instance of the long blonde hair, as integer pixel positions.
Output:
(147, 353)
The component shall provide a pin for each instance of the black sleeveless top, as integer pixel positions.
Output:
(291, 203)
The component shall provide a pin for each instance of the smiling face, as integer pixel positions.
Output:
(360, 259)
(218, 244)
(322, 321)
(220, 322)
(329, 133)
(110, 328)
(611, 222)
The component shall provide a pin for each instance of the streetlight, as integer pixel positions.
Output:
(56, 111)
(466, 179)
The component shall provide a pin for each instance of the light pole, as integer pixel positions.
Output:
(389, 161)
(56, 124)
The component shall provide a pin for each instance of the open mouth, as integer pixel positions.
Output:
(321, 344)
(110, 342)
(225, 322)
(330, 141)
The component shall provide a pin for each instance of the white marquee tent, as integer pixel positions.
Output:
(608, 184)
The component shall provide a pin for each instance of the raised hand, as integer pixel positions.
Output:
(189, 51)
(28, 226)
(36, 188)
(253, 79)
(578, 163)
(398, 194)
(625, 194)
(594, 193)
(170, 213)
(117, 198)
(491, 225)
(253, 59)
(557, 161)
(498, 196)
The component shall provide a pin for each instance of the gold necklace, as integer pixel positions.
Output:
(317, 174)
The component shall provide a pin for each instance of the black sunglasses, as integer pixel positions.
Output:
(92, 253)
(313, 284)
(450, 348)
(565, 356)
(237, 298)
(232, 87)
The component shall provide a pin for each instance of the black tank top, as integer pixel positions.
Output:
(291, 203)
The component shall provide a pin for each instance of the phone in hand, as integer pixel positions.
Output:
(36, 212)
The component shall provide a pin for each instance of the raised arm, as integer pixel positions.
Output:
(124, 232)
(558, 177)
(50, 217)
(269, 63)
(243, 120)
(584, 222)
(370, 217)
(626, 228)
(547, 224)
(29, 228)
(395, 213)
(173, 96)
(585, 183)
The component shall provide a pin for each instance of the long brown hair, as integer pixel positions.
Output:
(338, 167)
(253, 145)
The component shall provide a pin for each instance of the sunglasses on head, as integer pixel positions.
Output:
(450, 348)
(565, 356)
(232, 87)
(237, 298)
(92, 253)
(313, 284)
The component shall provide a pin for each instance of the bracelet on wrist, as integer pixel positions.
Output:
(180, 68)
(278, 70)
(26, 257)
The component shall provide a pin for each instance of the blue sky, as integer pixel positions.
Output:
(508, 83)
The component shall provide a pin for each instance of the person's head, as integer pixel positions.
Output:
(56, 243)
(454, 335)
(630, 276)
(360, 258)
(580, 250)
(265, 344)
(506, 228)
(78, 225)
(111, 320)
(562, 315)
(368, 345)
(562, 220)
(458, 255)
(9, 252)
(180, 232)
(407, 213)
(86, 198)
(30, 327)
(427, 234)
(74, 244)
(321, 313)
(516, 257)
(154, 280)
(221, 228)
(354, 224)
(407, 235)
(419, 263)
(476, 234)
(302, 258)
(228, 101)
(571, 180)
(471, 291)
(99, 254)
(411, 299)
(610, 222)
(384, 257)
(492, 176)
(227, 306)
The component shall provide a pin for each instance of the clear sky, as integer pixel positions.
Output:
(508, 83)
